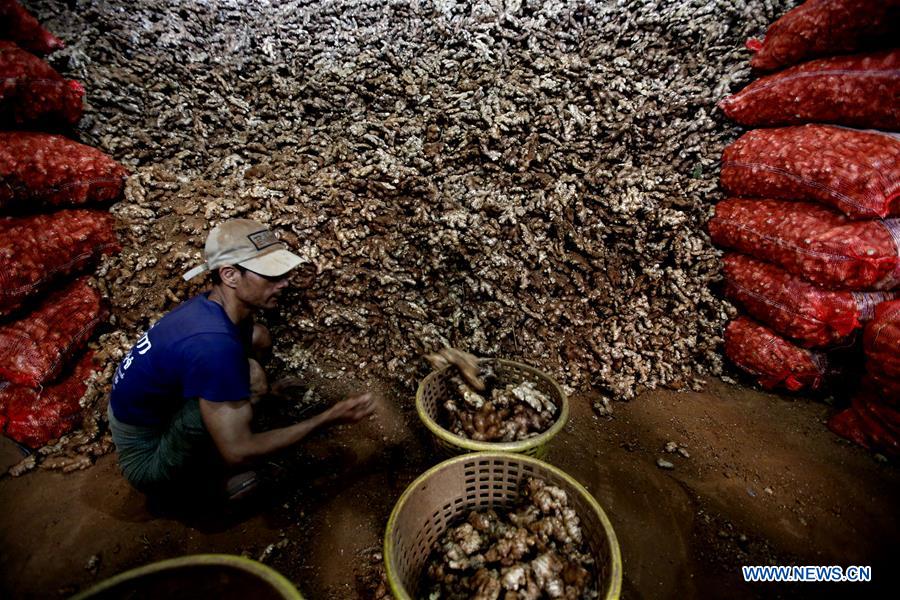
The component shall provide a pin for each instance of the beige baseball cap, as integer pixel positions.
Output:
(246, 243)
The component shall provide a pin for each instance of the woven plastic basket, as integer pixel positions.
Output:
(196, 576)
(434, 391)
(448, 492)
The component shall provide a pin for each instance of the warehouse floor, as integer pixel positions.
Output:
(765, 483)
(514, 180)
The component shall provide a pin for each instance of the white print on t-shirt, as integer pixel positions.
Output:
(143, 346)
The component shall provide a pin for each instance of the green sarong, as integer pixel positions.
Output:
(154, 459)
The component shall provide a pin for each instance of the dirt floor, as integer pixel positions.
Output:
(765, 483)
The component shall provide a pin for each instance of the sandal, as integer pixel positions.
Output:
(241, 486)
(286, 387)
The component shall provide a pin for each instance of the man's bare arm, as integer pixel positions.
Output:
(229, 425)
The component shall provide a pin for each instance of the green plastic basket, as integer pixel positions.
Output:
(447, 492)
(434, 391)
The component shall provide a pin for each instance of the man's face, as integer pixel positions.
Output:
(260, 291)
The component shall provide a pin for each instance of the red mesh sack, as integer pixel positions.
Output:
(3, 386)
(886, 388)
(31, 90)
(34, 349)
(826, 27)
(858, 91)
(40, 169)
(812, 241)
(793, 307)
(771, 359)
(876, 421)
(886, 415)
(857, 172)
(18, 25)
(848, 425)
(37, 250)
(869, 422)
(881, 341)
(34, 417)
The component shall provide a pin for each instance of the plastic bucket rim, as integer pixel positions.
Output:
(615, 555)
(272, 577)
(476, 446)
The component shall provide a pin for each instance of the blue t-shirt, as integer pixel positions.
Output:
(195, 351)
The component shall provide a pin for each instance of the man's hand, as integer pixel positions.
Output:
(352, 409)
(229, 425)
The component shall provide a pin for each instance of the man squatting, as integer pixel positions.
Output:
(182, 399)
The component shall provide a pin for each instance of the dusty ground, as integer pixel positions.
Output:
(765, 483)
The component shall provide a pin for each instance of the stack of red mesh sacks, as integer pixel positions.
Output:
(51, 234)
(873, 419)
(814, 191)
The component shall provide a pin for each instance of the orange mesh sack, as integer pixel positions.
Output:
(35, 417)
(824, 28)
(36, 251)
(40, 170)
(857, 172)
(857, 91)
(772, 360)
(20, 26)
(32, 91)
(35, 348)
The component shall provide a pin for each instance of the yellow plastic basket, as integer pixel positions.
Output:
(434, 391)
(196, 576)
(450, 490)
